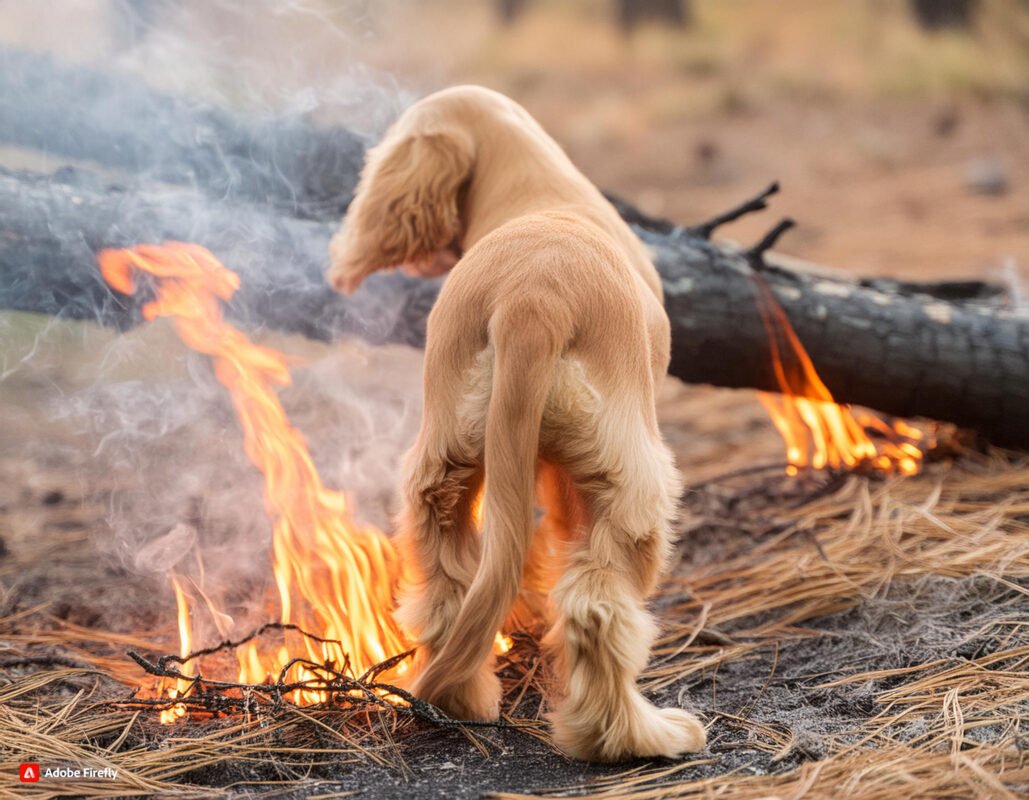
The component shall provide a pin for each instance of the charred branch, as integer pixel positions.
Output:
(756, 254)
(340, 689)
(908, 351)
(905, 353)
(758, 202)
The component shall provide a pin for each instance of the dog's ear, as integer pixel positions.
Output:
(406, 206)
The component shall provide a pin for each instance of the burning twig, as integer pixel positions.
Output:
(331, 573)
(231, 645)
(210, 696)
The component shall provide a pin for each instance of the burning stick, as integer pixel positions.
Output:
(183, 685)
(335, 687)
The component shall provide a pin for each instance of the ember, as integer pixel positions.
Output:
(334, 577)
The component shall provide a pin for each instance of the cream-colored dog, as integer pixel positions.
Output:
(543, 352)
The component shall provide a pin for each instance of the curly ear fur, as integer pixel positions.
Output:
(406, 206)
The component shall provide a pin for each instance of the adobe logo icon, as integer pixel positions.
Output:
(28, 773)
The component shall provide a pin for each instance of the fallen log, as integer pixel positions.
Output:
(907, 351)
(51, 230)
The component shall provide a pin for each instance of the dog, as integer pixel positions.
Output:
(543, 352)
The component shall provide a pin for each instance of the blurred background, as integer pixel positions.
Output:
(898, 128)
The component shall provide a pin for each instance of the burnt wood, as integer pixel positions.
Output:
(51, 230)
(952, 352)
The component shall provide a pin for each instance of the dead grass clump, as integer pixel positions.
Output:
(828, 554)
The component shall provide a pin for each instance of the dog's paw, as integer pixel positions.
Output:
(674, 732)
(646, 732)
(476, 700)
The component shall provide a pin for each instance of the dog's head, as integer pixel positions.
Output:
(405, 212)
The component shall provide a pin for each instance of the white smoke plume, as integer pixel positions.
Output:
(135, 419)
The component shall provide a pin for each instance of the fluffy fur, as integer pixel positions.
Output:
(543, 352)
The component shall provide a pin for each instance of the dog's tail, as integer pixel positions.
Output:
(526, 349)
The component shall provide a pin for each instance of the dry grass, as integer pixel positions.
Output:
(78, 730)
(64, 716)
(959, 521)
(948, 726)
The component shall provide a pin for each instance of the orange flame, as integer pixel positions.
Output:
(819, 432)
(178, 710)
(335, 579)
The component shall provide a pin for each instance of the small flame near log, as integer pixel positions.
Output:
(818, 431)
(336, 578)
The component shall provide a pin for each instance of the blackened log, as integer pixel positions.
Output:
(904, 351)
(116, 120)
(52, 229)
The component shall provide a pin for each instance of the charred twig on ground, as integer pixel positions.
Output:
(341, 690)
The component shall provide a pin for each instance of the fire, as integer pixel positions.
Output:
(178, 711)
(335, 579)
(818, 431)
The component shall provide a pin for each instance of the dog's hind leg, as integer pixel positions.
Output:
(460, 677)
(438, 543)
(603, 636)
(550, 544)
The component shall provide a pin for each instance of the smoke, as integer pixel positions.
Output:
(156, 437)
(287, 57)
(133, 419)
